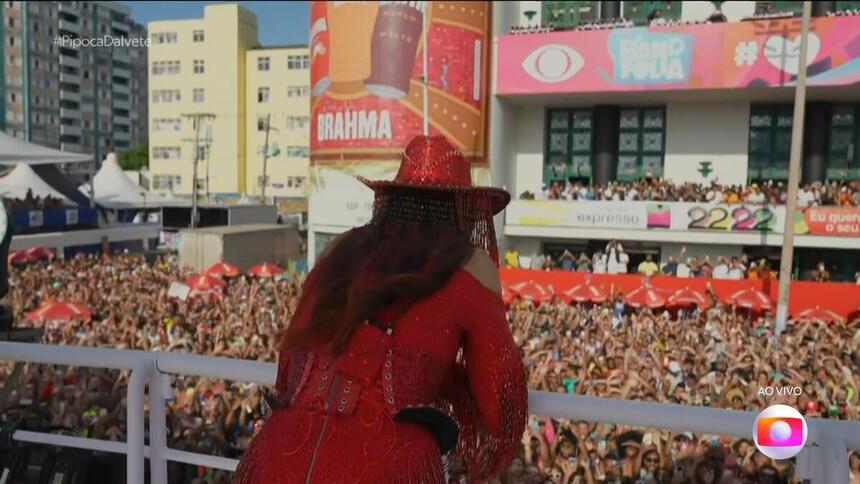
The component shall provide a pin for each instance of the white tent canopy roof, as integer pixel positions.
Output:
(23, 178)
(15, 151)
(114, 189)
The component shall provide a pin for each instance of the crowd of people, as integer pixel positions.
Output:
(32, 202)
(715, 358)
(833, 193)
(131, 310)
(614, 260)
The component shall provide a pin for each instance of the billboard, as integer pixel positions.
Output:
(367, 78)
(758, 53)
(684, 216)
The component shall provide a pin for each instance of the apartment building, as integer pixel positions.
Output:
(213, 69)
(278, 98)
(69, 81)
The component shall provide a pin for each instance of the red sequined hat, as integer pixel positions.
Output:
(433, 163)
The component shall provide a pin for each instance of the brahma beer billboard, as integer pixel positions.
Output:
(367, 71)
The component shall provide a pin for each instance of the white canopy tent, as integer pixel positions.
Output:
(115, 190)
(21, 179)
(14, 151)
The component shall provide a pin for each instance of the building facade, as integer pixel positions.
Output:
(278, 97)
(699, 97)
(213, 70)
(73, 76)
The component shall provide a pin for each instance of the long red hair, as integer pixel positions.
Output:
(369, 270)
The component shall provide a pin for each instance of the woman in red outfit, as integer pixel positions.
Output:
(398, 365)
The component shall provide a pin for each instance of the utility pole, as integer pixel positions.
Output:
(787, 256)
(196, 119)
(266, 155)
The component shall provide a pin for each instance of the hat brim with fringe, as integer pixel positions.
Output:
(497, 197)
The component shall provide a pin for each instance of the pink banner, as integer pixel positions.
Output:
(708, 56)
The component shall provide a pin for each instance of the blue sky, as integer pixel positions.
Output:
(277, 22)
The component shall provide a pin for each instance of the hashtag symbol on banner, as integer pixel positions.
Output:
(57, 40)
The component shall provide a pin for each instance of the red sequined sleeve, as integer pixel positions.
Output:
(492, 422)
(288, 374)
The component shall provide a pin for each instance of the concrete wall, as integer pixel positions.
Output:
(200, 249)
(699, 251)
(529, 145)
(715, 132)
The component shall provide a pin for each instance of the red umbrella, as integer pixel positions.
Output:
(689, 297)
(205, 282)
(585, 292)
(223, 269)
(532, 291)
(819, 314)
(19, 257)
(38, 253)
(645, 296)
(265, 270)
(750, 298)
(60, 311)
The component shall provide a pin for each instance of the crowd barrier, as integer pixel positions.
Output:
(824, 459)
(53, 218)
(841, 298)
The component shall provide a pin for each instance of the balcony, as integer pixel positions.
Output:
(67, 60)
(121, 54)
(120, 119)
(121, 135)
(681, 57)
(121, 72)
(121, 88)
(70, 78)
(67, 95)
(122, 104)
(121, 26)
(69, 146)
(70, 113)
(70, 130)
(69, 26)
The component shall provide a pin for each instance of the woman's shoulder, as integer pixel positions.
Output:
(483, 270)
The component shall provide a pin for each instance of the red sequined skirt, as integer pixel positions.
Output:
(309, 446)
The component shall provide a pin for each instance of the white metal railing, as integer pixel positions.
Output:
(823, 460)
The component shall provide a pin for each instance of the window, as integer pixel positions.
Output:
(298, 62)
(297, 122)
(165, 67)
(298, 152)
(166, 182)
(843, 156)
(568, 145)
(261, 123)
(199, 95)
(166, 152)
(296, 181)
(166, 124)
(769, 142)
(567, 15)
(298, 91)
(164, 38)
(198, 36)
(202, 152)
(263, 95)
(641, 138)
(166, 96)
(198, 66)
(262, 63)
(639, 12)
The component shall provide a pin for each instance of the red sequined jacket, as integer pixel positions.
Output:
(343, 420)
